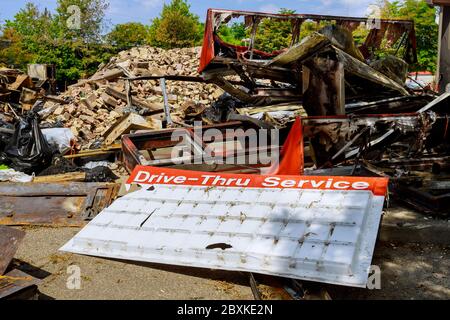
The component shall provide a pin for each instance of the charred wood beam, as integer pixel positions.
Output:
(324, 89)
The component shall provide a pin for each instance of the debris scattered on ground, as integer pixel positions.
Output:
(349, 120)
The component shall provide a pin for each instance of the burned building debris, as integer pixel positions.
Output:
(350, 134)
(323, 70)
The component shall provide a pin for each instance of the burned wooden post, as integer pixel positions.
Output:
(324, 87)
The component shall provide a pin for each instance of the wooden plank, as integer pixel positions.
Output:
(306, 74)
(65, 177)
(124, 125)
(22, 80)
(340, 85)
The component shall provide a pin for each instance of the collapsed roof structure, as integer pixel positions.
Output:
(324, 70)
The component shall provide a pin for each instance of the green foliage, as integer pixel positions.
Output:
(426, 28)
(12, 53)
(177, 27)
(274, 34)
(128, 35)
(35, 36)
(271, 35)
(40, 37)
(233, 34)
(92, 19)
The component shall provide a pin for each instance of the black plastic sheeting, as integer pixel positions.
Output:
(61, 165)
(219, 110)
(28, 150)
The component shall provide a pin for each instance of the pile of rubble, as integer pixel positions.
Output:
(95, 104)
(354, 116)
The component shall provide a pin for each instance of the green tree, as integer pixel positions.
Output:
(177, 27)
(11, 49)
(29, 23)
(41, 37)
(92, 19)
(427, 30)
(233, 34)
(128, 35)
(274, 34)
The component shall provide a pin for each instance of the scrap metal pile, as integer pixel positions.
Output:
(358, 126)
(359, 111)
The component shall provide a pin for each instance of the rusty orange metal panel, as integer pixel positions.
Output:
(18, 285)
(10, 239)
(60, 204)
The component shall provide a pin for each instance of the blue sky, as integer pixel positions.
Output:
(121, 11)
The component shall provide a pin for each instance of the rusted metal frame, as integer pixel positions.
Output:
(130, 154)
(176, 78)
(443, 65)
(131, 144)
(238, 13)
(272, 73)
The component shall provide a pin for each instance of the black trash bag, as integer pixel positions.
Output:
(61, 165)
(222, 107)
(28, 151)
(5, 136)
(100, 174)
